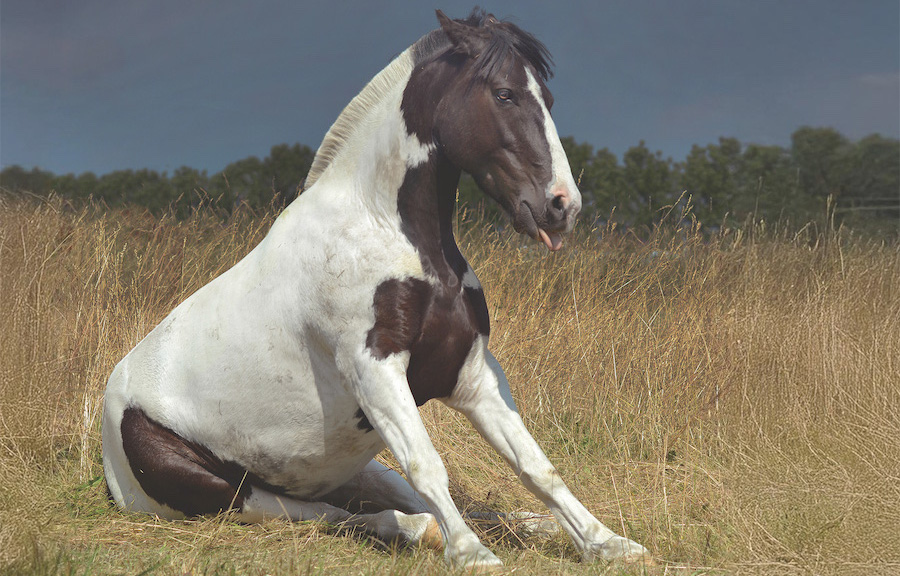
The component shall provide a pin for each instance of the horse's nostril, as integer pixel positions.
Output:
(558, 203)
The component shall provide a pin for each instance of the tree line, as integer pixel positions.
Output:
(723, 183)
(250, 182)
(728, 182)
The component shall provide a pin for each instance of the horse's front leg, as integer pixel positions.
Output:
(483, 396)
(383, 393)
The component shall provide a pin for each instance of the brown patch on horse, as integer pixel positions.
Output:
(181, 474)
(436, 325)
(363, 421)
(436, 321)
(479, 310)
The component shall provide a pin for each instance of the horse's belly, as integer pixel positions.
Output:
(303, 434)
(316, 462)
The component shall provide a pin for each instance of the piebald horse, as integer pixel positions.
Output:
(270, 390)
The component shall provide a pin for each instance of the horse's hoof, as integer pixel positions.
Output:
(620, 551)
(476, 560)
(531, 525)
(432, 538)
(642, 559)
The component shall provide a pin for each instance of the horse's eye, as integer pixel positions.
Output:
(504, 94)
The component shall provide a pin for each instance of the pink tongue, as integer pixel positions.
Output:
(552, 241)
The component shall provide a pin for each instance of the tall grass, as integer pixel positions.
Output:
(731, 402)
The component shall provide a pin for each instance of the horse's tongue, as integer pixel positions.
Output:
(553, 241)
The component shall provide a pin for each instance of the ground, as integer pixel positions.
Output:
(728, 400)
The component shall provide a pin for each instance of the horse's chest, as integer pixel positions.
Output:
(437, 325)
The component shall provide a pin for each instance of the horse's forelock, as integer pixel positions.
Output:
(507, 40)
(502, 40)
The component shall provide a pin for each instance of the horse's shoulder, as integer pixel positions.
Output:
(436, 323)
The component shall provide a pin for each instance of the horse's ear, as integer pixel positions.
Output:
(465, 38)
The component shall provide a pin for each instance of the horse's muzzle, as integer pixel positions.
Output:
(547, 222)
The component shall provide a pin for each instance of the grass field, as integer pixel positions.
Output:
(732, 403)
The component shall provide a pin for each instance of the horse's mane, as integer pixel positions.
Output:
(505, 40)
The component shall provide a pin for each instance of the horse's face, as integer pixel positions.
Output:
(493, 121)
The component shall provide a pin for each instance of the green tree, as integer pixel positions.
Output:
(874, 169)
(712, 175)
(765, 182)
(16, 179)
(647, 185)
(581, 159)
(85, 184)
(599, 178)
(258, 183)
(248, 182)
(288, 166)
(821, 157)
(767, 186)
(607, 183)
(872, 195)
(187, 188)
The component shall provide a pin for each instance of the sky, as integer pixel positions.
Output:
(100, 86)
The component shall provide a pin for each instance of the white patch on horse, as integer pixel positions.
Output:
(483, 396)
(562, 173)
(469, 279)
(372, 116)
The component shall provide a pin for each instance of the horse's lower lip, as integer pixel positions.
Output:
(552, 241)
(524, 222)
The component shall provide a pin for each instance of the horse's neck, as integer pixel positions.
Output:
(400, 175)
(426, 203)
(389, 171)
(373, 158)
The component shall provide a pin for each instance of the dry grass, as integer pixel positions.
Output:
(732, 403)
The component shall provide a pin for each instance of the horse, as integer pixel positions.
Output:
(270, 390)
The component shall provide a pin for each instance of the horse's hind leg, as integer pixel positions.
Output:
(173, 477)
(377, 488)
(388, 525)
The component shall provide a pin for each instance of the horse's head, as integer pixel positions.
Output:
(493, 120)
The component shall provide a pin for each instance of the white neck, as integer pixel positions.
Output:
(368, 150)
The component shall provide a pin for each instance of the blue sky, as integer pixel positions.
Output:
(98, 86)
